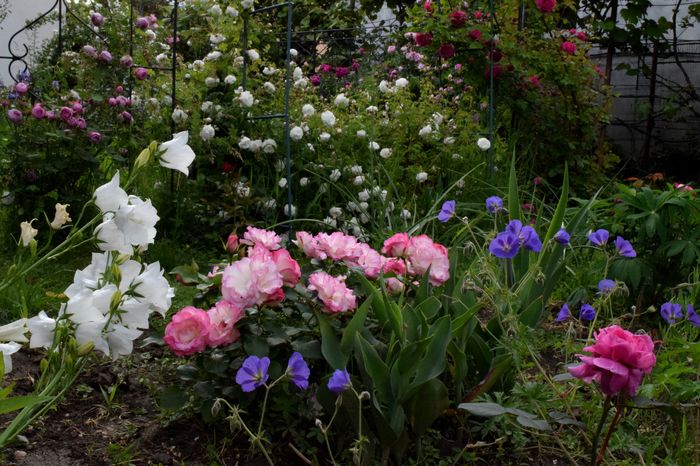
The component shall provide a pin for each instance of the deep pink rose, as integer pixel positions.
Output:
(38, 111)
(223, 318)
(188, 331)
(423, 39)
(618, 361)
(396, 245)
(580, 35)
(458, 18)
(141, 73)
(535, 81)
(568, 47)
(315, 80)
(332, 291)
(325, 68)
(478, 14)
(342, 71)
(475, 34)
(66, 113)
(446, 51)
(546, 6)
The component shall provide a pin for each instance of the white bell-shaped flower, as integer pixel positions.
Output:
(42, 329)
(177, 154)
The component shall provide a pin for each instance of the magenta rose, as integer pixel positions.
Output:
(458, 18)
(618, 361)
(546, 6)
(423, 39)
(568, 47)
(446, 51)
(315, 80)
(188, 331)
(141, 73)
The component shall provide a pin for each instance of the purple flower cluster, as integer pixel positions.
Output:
(623, 247)
(673, 313)
(586, 312)
(507, 243)
(254, 372)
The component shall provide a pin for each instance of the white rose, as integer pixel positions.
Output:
(425, 131)
(246, 99)
(401, 83)
(230, 79)
(385, 153)
(341, 100)
(421, 177)
(328, 118)
(207, 132)
(253, 55)
(483, 143)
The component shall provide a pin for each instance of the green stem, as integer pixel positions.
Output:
(601, 424)
(618, 414)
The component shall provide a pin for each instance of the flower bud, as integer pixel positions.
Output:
(115, 301)
(364, 396)
(116, 274)
(143, 158)
(85, 348)
(153, 147)
(319, 423)
(43, 364)
(122, 258)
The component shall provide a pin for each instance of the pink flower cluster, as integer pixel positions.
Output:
(422, 255)
(619, 359)
(191, 329)
(333, 292)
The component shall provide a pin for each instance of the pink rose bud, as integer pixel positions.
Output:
(14, 115)
(105, 56)
(95, 137)
(38, 112)
(141, 73)
(232, 243)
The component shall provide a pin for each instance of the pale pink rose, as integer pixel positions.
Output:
(287, 267)
(268, 239)
(424, 254)
(394, 285)
(338, 246)
(369, 260)
(260, 252)
(307, 243)
(396, 245)
(214, 272)
(188, 331)
(619, 359)
(250, 281)
(223, 317)
(332, 291)
(394, 265)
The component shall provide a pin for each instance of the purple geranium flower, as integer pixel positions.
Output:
(448, 210)
(692, 316)
(606, 286)
(587, 312)
(505, 245)
(527, 236)
(339, 381)
(494, 204)
(624, 247)
(562, 236)
(564, 313)
(253, 373)
(671, 312)
(298, 371)
(599, 237)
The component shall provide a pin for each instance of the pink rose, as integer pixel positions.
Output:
(307, 243)
(369, 260)
(336, 297)
(252, 280)
(38, 111)
(338, 246)
(188, 331)
(423, 39)
(458, 18)
(546, 6)
(287, 267)
(396, 245)
(394, 265)
(223, 317)
(424, 254)
(568, 47)
(619, 359)
(267, 239)
(446, 51)
(394, 285)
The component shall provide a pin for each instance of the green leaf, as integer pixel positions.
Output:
(499, 366)
(564, 419)
(435, 359)
(330, 346)
(560, 211)
(375, 368)
(513, 196)
(354, 326)
(428, 403)
(538, 424)
(483, 409)
(172, 398)
(7, 405)
(429, 307)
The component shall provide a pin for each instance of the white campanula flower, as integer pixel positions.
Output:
(460, 184)
(352, 206)
(421, 177)
(242, 190)
(207, 132)
(308, 110)
(269, 87)
(324, 137)
(14, 331)
(269, 146)
(42, 329)
(279, 165)
(335, 212)
(363, 195)
(211, 82)
(331, 222)
(448, 141)
(483, 144)
(7, 350)
(216, 38)
(303, 181)
(231, 11)
(230, 79)
(358, 180)
(425, 131)
(385, 153)
(405, 214)
(363, 206)
(296, 133)
(282, 183)
(328, 118)
(361, 133)
(401, 83)
(27, 233)
(215, 10)
(373, 146)
(456, 157)
(356, 170)
(270, 204)
(246, 99)
(61, 216)
(247, 4)
(341, 101)
(176, 154)
(335, 175)
(290, 212)
(253, 55)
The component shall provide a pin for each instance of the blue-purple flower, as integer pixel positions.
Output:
(253, 373)
(599, 237)
(298, 371)
(339, 381)
(562, 236)
(527, 236)
(494, 204)
(447, 211)
(624, 247)
(505, 245)
(586, 312)
(606, 286)
(671, 312)
(692, 316)
(564, 313)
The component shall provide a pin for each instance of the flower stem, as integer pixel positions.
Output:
(618, 414)
(599, 430)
